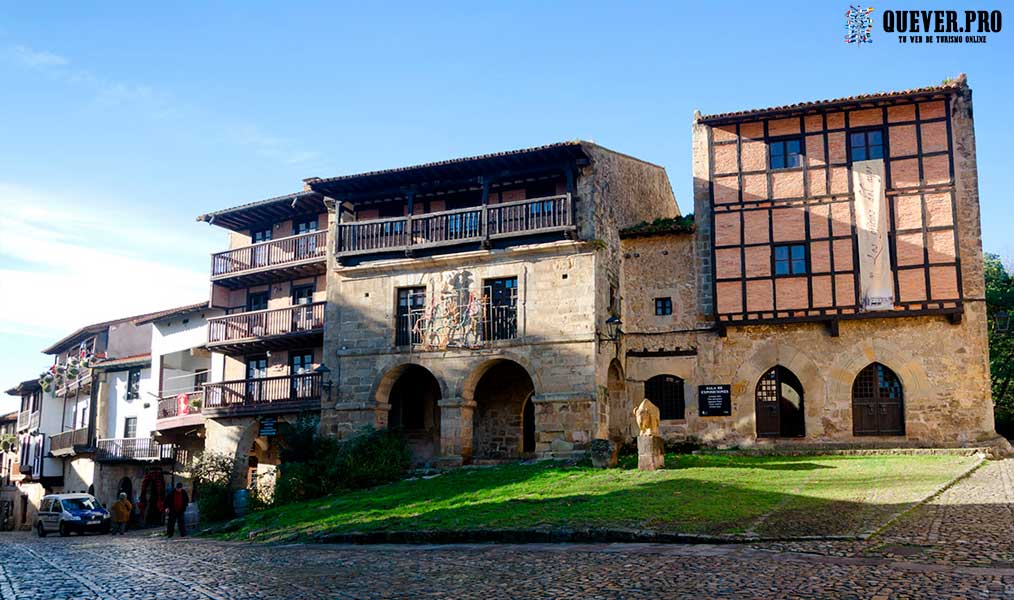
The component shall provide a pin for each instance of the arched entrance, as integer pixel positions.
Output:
(779, 404)
(503, 425)
(126, 486)
(618, 407)
(413, 410)
(877, 402)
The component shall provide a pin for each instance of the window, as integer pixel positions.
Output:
(301, 363)
(260, 235)
(500, 300)
(305, 226)
(790, 259)
(134, 384)
(784, 153)
(411, 303)
(261, 255)
(302, 294)
(666, 392)
(256, 371)
(130, 427)
(256, 301)
(867, 145)
(663, 306)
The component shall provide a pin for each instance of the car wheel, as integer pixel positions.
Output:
(64, 532)
(40, 529)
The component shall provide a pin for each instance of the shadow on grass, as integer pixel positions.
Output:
(692, 461)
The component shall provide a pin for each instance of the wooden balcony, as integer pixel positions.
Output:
(301, 255)
(69, 443)
(180, 410)
(28, 420)
(272, 329)
(480, 225)
(267, 395)
(133, 449)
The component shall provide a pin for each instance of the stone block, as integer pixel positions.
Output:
(650, 452)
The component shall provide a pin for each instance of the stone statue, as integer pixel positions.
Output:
(647, 416)
(650, 448)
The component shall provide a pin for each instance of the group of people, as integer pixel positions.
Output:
(176, 503)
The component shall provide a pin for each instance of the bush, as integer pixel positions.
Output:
(315, 465)
(212, 474)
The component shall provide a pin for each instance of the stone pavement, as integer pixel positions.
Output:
(960, 545)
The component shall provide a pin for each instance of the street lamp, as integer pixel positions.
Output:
(325, 379)
(613, 325)
(1001, 321)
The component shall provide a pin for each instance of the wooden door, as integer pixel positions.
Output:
(767, 406)
(877, 402)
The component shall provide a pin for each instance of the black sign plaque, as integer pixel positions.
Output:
(714, 400)
(269, 426)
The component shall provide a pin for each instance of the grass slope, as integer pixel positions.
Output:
(806, 495)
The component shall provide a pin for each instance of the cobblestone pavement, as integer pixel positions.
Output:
(961, 545)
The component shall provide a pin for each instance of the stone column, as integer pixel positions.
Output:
(456, 430)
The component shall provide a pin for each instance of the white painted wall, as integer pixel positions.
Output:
(144, 407)
(178, 336)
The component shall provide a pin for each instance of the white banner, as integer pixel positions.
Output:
(876, 283)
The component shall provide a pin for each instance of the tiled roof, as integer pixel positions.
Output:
(949, 85)
(27, 385)
(172, 312)
(123, 361)
(92, 329)
(450, 161)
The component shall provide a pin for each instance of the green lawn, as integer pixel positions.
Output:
(804, 495)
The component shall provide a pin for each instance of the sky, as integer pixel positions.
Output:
(121, 122)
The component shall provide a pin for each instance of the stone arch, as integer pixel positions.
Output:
(411, 394)
(619, 408)
(500, 390)
(878, 401)
(770, 354)
(465, 387)
(913, 377)
(390, 373)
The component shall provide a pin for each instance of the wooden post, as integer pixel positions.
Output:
(409, 237)
(484, 225)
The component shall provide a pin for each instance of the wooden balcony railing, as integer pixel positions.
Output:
(300, 318)
(267, 393)
(184, 403)
(133, 449)
(28, 420)
(449, 227)
(273, 253)
(69, 439)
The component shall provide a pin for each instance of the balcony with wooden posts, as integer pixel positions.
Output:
(134, 450)
(270, 329)
(28, 420)
(484, 226)
(70, 443)
(266, 395)
(291, 257)
(180, 410)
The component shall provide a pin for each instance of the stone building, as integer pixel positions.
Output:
(833, 283)
(469, 299)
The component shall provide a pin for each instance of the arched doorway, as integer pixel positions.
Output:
(126, 486)
(500, 425)
(779, 404)
(413, 410)
(619, 410)
(666, 392)
(877, 402)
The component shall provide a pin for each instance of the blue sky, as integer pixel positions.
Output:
(123, 121)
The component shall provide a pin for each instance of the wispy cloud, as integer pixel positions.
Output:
(156, 104)
(34, 58)
(64, 265)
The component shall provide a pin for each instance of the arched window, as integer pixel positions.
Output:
(666, 392)
(877, 402)
(779, 405)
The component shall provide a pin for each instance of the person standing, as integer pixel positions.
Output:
(176, 505)
(121, 514)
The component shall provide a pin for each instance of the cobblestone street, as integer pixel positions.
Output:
(961, 545)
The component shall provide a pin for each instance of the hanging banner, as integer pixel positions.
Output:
(876, 283)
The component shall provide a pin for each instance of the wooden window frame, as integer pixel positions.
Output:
(792, 272)
(865, 132)
(783, 141)
(663, 306)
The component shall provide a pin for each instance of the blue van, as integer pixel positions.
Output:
(71, 513)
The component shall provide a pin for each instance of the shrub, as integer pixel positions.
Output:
(212, 474)
(321, 465)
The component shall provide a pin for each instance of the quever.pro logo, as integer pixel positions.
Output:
(859, 25)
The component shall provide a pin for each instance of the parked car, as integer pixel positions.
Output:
(67, 513)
